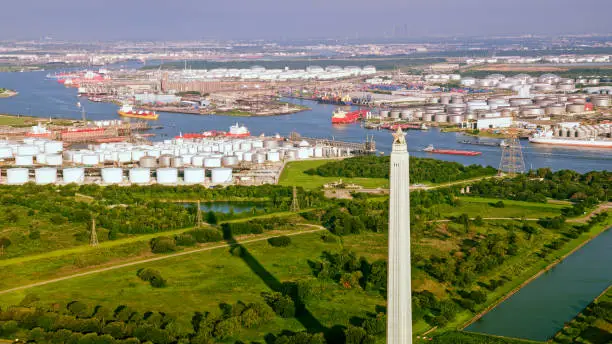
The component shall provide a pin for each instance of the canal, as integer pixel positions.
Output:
(542, 307)
(44, 97)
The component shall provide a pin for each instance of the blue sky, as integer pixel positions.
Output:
(223, 19)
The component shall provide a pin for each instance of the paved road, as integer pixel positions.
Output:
(120, 266)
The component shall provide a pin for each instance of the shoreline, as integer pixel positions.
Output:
(606, 227)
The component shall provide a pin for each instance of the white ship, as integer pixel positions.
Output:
(547, 137)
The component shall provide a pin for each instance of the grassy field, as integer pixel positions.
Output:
(474, 206)
(204, 280)
(293, 174)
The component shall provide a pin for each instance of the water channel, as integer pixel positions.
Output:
(542, 307)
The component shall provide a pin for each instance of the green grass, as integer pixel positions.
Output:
(474, 206)
(202, 281)
(293, 174)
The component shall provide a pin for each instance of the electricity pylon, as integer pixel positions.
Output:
(512, 161)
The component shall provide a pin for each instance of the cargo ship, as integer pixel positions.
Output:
(128, 111)
(548, 138)
(405, 126)
(340, 116)
(431, 149)
(238, 131)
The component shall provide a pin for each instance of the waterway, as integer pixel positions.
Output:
(227, 207)
(542, 307)
(42, 97)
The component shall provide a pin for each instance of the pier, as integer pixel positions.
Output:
(364, 148)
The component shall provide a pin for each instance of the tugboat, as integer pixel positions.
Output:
(128, 111)
(340, 116)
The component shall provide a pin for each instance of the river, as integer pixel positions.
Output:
(542, 307)
(44, 97)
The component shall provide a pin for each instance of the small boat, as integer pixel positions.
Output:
(431, 149)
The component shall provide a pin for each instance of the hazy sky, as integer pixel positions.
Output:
(196, 19)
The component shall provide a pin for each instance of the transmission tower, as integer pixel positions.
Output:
(512, 161)
(199, 216)
(295, 206)
(93, 241)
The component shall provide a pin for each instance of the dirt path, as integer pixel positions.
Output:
(600, 209)
(120, 266)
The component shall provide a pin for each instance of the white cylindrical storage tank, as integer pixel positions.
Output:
(54, 160)
(176, 161)
(257, 144)
(165, 160)
(27, 150)
(90, 159)
(41, 158)
(212, 162)
(230, 161)
(273, 156)
(258, 158)
(197, 160)
(221, 175)
(167, 175)
(149, 162)
(112, 175)
(24, 160)
(302, 153)
(271, 144)
(17, 176)
(74, 175)
(245, 146)
(248, 156)
(45, 175)
(52, 147)
(140, 175)
(124, 156)
(318, 152)
(137, 155)
(6, 152)
(291, 155)
(194, 176)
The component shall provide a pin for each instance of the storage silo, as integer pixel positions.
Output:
(149, 162)
(176, 161)
(6, 153)
(427, 117)
(395, 114)
(291, 154)
(54, 159)
(168, 175)
(441, 118)
(229, 160)
(384, 113)
(73, 175)
(258, 158)
(302, 153)
(112, 175)
(124, 157)
(17, 176)
(318, 152)
(90, 159)
(137, 154)
(273, 156)
(198, 160)
(52, 147)
(221, 175)
(270, 144)
(45, 175)
(245, 146)
(212, 162)
(140, 175)
(24, 160)
(455, 119)
(27, 150)
(194, 175)
(41, 158)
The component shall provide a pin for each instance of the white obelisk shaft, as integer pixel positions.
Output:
(399, 295)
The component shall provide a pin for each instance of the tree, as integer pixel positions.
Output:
(34, 234)
(211, 218)
(79, 309)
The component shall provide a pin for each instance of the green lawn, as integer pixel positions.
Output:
(474, 206)
(293, 174)
(202, 281)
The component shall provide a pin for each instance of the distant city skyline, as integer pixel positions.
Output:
(274, 19)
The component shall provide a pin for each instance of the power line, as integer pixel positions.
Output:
(512, 161)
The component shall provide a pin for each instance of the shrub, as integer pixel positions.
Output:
(282, 305)
(152, 276)
(78, 309)
(163, 245)
(34, 234)
(499, 204)
(281, 241)
(9, 327)
(206, 235)
(329, 238)
(184, 240)
(57, 219)
(237, 251)
(374, 326)
(211, 218)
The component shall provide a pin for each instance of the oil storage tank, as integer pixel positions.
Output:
(221, 175)
(149, 162)
(24, 160)
(17, 176)
(112, 175)
(45, 175)
(73, 175)
(194, 175)
(140, 175)
(167, 175)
